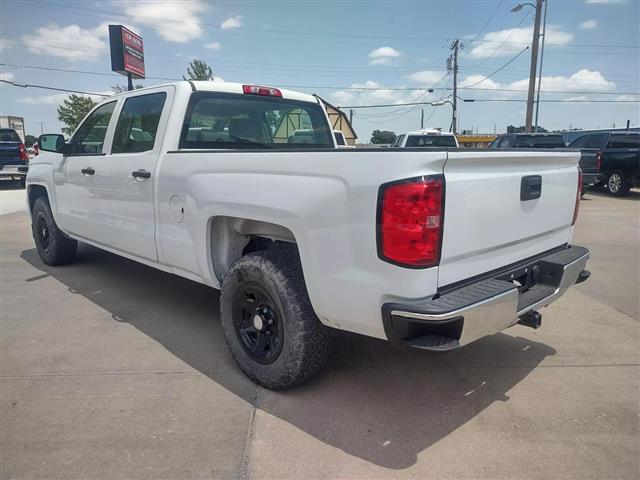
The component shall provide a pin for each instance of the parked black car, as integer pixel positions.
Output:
(529, 140)
(611, 159)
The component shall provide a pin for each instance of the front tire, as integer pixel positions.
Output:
(269, 325)
(53, 246)
(617, 185)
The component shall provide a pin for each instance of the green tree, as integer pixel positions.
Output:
(123, 88)
(382, 136)
(29, 140)
(73, 110)
(198, 70)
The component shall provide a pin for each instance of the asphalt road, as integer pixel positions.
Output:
(110, 369)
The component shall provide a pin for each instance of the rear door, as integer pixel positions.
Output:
(493, 213)
(124, 179)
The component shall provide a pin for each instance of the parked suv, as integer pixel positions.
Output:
(14, 159)
(610, 159)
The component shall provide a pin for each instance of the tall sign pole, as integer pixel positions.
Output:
(534, 63)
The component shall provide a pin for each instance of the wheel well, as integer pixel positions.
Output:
(36, 191)
(233, 237)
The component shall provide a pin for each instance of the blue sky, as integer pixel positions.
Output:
(352, 53)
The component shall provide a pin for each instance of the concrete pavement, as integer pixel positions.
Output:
(12, 197)
(114, 370)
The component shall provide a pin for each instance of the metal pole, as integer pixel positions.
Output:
(534, 64)
(422, 120)
(129, 82)
(454, 120)
(544, 37)
(351, 115)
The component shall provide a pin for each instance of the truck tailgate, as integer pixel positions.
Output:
(486, 224)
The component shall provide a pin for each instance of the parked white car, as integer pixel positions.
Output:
(303, 238)
(429, 137)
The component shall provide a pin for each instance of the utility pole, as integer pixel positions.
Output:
(544, 37)
(454, 122)
(41, 127)
(422, 120)
(351, 116)
(534, 64)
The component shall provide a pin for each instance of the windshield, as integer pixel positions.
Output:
(539, 141)
(9, 135)
(624, 141)
(431, 141)
(238, 121)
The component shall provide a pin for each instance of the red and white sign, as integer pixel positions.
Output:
(133, 52)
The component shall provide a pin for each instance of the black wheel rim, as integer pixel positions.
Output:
(257, 322)
(42, 231)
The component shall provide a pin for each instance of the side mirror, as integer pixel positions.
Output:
(51, 142)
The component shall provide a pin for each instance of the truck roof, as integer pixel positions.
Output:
(430, 131)
(230, 87)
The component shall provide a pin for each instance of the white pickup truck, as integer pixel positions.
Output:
(427, 248)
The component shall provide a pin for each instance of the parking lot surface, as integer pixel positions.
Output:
(110, 369)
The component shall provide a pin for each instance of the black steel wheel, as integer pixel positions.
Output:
(258, 323)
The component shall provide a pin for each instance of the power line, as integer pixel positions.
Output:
(496, 71)
(487, 22)
(492, 100)
(27, 85)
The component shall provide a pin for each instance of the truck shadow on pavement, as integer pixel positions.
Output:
(371, 401)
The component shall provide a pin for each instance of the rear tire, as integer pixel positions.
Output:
(268, 321)
(53, 246)
(617, 185)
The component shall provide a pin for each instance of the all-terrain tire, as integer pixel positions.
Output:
(306, 342)
(53, 246)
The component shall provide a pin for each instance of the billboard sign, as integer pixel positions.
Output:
(127, 51)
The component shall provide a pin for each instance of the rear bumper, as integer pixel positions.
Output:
(487, 306)
(13, 170)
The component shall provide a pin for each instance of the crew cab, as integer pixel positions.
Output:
(429, 137)
(399, 244)
(14, 159)
(610, 158)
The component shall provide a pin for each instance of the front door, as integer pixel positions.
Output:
(125, 178)
(76, 200)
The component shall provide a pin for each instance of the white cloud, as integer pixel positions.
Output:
(515, 40)
(594, 2)
(7, 76)
(580, 98)
(232, 22)
(625, 97)
(384, 56)
(174, 21)
(6, 44)
(588, 25)
(583, 80)
(474, 79)
(213, 46)
(425, 77)
(71, 42)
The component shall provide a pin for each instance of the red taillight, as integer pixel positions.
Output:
(24, 155)
(410, 215)
(578, 195)
(598, 161)
(264, 91)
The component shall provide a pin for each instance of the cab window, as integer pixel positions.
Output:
(138, 123)
(239, 121)
(89, 137)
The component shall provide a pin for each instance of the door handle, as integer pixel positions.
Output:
(88, 171)
(141, 174)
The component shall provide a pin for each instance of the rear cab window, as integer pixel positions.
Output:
(340, 138)
(539, 141)
(138, 123)
(217, 120)
(431, 141)
(9, 135)
(624, 141)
